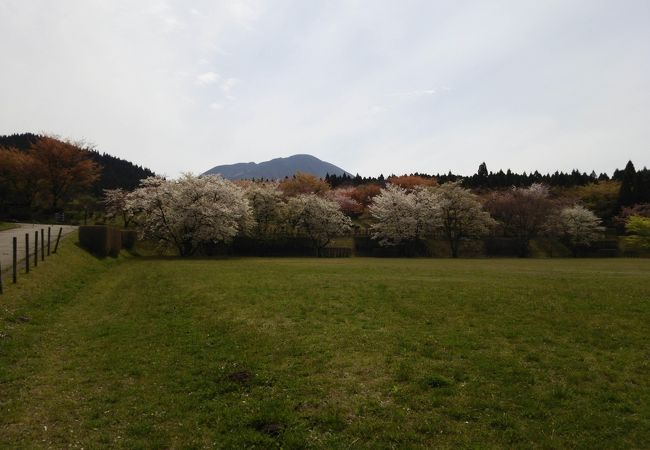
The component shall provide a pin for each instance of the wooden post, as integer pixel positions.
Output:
(35, 248)
(26, 252)
(56, 246)
(42, 244)
(49, 239)
(15, 258)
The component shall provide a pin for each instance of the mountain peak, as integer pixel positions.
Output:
(277, 168)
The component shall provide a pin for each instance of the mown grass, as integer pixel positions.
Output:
(169, 353)
(7, 226)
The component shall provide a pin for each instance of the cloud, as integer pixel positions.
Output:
(229, 84)
(245, 12)
(417, 93)
(167, 18)
(208, 78)
(363, 83)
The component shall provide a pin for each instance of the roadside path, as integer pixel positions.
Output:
(6, 239)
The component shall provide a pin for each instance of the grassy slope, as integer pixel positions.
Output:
(7, 226)
(328, 353)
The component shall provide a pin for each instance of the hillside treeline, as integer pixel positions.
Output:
(41, 175)
(405, 216)
(637, 183)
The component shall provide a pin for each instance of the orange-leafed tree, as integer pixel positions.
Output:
(18, 184)
(365, 193)
(303, 183)
(410, 182)
(63, 169)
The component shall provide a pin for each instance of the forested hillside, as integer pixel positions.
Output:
(45, 177)
(115, 172)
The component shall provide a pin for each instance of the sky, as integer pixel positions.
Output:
(372, 86)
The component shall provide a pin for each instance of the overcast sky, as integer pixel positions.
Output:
(372, 86)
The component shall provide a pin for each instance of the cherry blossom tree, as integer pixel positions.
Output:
(522, 213)
(115, 201)
(344, 197)
(317, 218)
(189, 211)
(580, 226)
(394, 213)
(401, 216)
(267, 207)
(576, 226)
(460, 215)
(448, 210)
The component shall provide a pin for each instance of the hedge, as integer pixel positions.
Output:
(128, 238)
(100, 240)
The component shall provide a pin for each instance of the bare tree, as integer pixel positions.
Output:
(522, 213)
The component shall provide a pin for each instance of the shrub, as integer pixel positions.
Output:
(638, 229)
(100, 240)
(128, 238)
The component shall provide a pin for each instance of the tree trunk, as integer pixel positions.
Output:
(186, 248)
(454, 248)
(523, 247)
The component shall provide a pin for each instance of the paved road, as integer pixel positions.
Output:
(6, 241)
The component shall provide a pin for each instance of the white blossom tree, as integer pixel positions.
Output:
(448, 210)
(577, 226)
(317, 218)
(265, 200)
(189, 211)
(394, 211)
(115, 201)
(403, 215)
(460, 215)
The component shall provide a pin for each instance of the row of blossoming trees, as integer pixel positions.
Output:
(189, 212)
(455, 214)
(192, 211)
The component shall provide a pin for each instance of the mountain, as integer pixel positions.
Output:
(116, 172)
(277, 168)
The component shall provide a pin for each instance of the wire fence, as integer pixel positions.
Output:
(35, 249)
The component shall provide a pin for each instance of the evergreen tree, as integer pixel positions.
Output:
(627, 193)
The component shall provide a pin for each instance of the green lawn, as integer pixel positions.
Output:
(7, 226)
(374, 353)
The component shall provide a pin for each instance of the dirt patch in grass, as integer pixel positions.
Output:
(269, 428)
(241, 376)
(437, 381)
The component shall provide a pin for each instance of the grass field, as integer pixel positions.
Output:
(168, 353)
(7, 226)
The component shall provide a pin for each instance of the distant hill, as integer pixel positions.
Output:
(116, 172)
(277, 168)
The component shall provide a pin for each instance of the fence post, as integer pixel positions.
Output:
(26, 252)
(49, 238)
(42, 244)
(35, 248)
(15, 258)
(56, 246)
